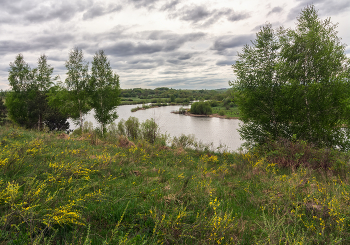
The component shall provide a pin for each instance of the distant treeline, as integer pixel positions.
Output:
(163, 92)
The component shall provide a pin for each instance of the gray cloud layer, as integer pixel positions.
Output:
(196, 45)
(325, 7)
(201, 15)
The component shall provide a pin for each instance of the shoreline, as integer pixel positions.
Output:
(212, 115)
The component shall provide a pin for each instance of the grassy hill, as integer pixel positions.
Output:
(60, 189)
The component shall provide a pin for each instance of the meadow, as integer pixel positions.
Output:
(82, 189)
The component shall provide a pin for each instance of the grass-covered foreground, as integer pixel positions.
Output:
(56, 189)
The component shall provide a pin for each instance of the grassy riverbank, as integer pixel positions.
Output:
(61, 189)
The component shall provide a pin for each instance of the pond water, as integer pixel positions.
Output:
(205, 129)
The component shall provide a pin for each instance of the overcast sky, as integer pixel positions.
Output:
(150, 43)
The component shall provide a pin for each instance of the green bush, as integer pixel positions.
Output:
(222, 113)
(201, 108)
(132, 127)
(213, 103)
(298, 153)
(149, 130)
(184, 141)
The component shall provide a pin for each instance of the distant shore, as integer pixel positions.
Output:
(196, 115)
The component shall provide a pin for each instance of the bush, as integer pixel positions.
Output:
(88, 127)
(132, 127)
(222, 113)
(213, 103)
(179, 100)
(182, 110)
(184, 141)
(201, 108)
(149, 130)
(3, 112)
(293, 154)
(121, 127)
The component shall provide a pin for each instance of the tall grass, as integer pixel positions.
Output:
(82, 189)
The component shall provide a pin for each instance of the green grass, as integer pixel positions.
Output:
(76, 190)
(136, 100)
(231, 112)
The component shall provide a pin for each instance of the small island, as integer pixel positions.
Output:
(205, 109)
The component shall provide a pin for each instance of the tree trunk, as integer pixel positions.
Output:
(39, 122)
(81, 120)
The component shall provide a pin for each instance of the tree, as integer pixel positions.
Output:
(314, 64)
(39, 89)
(258, 88)
(295, 82)
(75, 93)
(21, 79)
(104, 90)
(27, 102)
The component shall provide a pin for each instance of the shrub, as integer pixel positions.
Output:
(222, 113)
(293, 154)
(3, 112)
(149, 130)
(132, 127)
(201, 108)
(213, 103)
(87, 127)
(182, 110)
(184, 141)
(121, 127)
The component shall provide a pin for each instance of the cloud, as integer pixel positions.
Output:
(159, 42)
(41, 11)
(142, 64)
(40, 43)
(225, 62)
(325, 7)
(275, 10)
(100, 9)
(185, 57)
(171, 5)
(233, 16)
(222, 44)
(258, 27)
(149, 4)
(201, 15)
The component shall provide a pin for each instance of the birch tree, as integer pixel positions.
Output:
(104, 90)
(76, 86)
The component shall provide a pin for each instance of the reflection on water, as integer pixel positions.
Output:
(205, 129)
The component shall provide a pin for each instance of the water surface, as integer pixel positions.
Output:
(206, 129)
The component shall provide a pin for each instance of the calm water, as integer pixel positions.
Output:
(205, 129)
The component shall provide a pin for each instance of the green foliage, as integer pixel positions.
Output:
(62, 189)
(20, 79)
(201, 108)
(297, 153)
(3, 112)
(222, 113)
(294, 82)
(184, 141)
(55, 120)
(27, 102)
(104, 90)
(132, 127)
(121, 127)
(150, 130)
(73, 96)
(213, 103)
